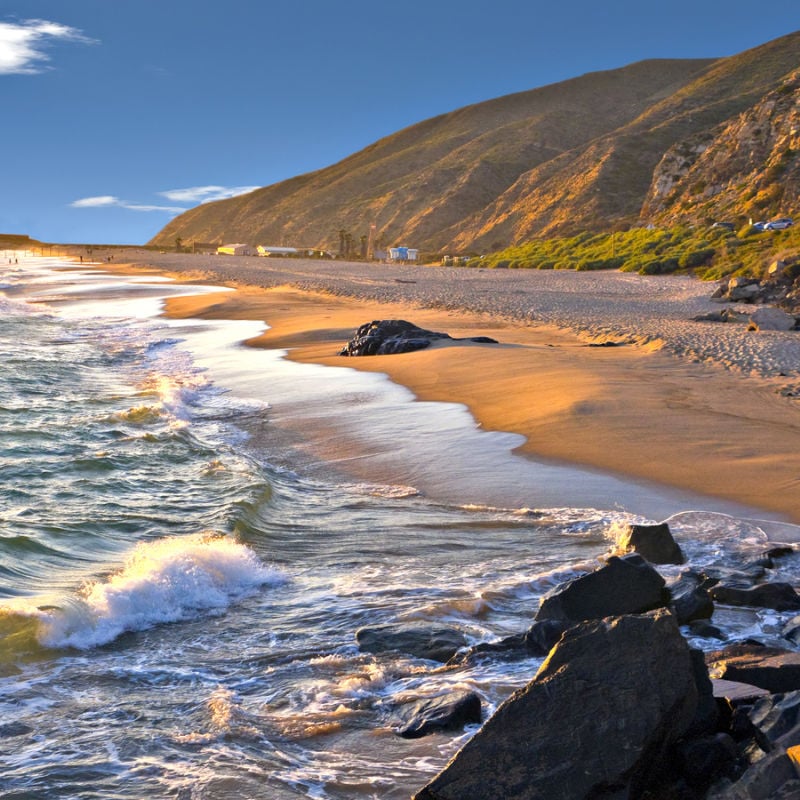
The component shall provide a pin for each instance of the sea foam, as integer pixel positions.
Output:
(163, 581)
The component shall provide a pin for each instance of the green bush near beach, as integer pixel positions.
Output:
(708, 252)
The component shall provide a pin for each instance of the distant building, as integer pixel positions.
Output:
(403, 254)
(264, 250)
(235, 250)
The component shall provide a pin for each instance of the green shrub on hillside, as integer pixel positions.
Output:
(708, 252)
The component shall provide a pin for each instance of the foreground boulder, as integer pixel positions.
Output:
(653, 542)
(391, 336)
(432, 642)
(626, 585)
(597, 720)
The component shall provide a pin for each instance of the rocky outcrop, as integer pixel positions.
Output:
(392, 336)
(435, 643)
(597, 720)
(772, 746)
(746, 166)
(626, 585)
(780, 596)
(653, 542)
(777, 296)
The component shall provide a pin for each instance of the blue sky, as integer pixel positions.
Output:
(117, 114)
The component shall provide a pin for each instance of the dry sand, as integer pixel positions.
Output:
(690, 405)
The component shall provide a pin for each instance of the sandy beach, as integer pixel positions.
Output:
(691, 405)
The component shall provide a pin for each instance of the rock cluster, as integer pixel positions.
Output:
(622, 706)
(391, 336)
(777, 297)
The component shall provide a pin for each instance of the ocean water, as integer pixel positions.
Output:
(181, 581)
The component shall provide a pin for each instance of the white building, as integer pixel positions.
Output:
(403, 254)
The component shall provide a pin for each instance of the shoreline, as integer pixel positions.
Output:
(638, 410)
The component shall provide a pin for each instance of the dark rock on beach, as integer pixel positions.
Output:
(598, 720)
(773, 727)
(435, 643)
(538, 640)
(691, 600)
(770, 668)
(625, 585)
(434, 714)
(392, 336)
(653, 542)
(779, 596)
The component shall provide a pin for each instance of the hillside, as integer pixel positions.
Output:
(745, 168)
(582, 154)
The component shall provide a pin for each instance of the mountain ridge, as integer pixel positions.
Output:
(581, 154)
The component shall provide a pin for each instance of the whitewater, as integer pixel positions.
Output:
(179, 597)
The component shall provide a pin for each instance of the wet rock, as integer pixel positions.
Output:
(775, 716)
(434, 643)
(543, 635)
(775, 725)
(705, 630)
(510, 648)
(597, 720)
(769, 668)
(392, 336)
(625, 585)
(653, 542)
(434, 714)
(746, 573)
(538, 640)
(690, 597)
(775, 777)
(780, 596)
(791, 630)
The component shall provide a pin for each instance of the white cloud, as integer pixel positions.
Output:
(206, 194)
(22, 44)
(108, 200)
(191, 196)
(142, 207)
(96, 202)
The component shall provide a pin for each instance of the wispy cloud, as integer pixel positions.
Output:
(206, 194)
(108, 200)
(23, 43)
(96, 202)
(192, 197)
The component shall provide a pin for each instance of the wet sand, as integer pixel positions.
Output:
(688, 405)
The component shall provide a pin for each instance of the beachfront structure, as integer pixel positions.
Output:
(235, 250)
(264, 250)
(403, 254)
